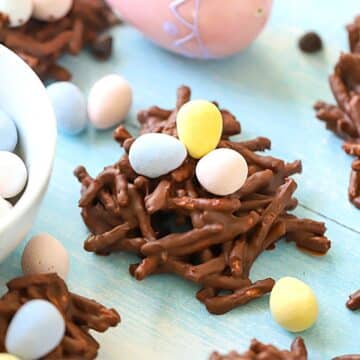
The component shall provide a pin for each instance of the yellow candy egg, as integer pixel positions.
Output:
(293, 304)
(199, 127)
(4, 356)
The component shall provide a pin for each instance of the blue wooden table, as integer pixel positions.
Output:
(271, 88)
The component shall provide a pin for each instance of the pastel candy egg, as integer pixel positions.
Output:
(4, 356)
(69, 105)
(196, 28)
(5, 207)
(293, 304)
(51, 10)
(44, 254)
(199, 127)
(109, 101)
(222, 171)
(154, 155)
(8, 132)
(18, 11)
(13, 175)
(36, 329)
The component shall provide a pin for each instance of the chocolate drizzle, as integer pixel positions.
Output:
(80, 314)
(221, 237)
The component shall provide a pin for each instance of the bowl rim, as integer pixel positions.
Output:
(22, 208)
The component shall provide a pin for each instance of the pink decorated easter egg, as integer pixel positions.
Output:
(197, 28)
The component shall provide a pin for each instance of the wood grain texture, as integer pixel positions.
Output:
(271, 88)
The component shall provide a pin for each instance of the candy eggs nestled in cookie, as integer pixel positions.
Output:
(8, 132)
(109, 101)
(13, 175)
(18, 11)
(36, 329)
(293, 304)
(222, 171)
(69, 105)
(44, 254)
(154, 155)
(51, 10)
(199, 126)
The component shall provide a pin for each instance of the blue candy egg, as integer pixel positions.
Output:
(8, 132)
(70, 107)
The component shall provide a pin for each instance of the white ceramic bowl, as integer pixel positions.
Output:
(24, 97)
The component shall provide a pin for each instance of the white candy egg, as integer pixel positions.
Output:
(13, 175)
(18, 11)
(5, 207)
(109, 101)
(51, 10)
(44, 254)
(36, 329)
(222, 171)
(154, 155)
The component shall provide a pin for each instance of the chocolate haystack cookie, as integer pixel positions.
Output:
(175, 226)
(354, 35)
(41, 44)
(260, 351)
(81, 315)
(344, 118)
(354, 301)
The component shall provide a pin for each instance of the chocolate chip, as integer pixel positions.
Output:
(310, 43)
(102, 47)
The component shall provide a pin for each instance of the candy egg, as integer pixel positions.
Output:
(5, 207)
(154, 155)
(36, 329)
(293, 304)
(69, 105)
(13, 175)
(44, 254)
(109, 101)
(8, 132)
(199, 127)
(18, 11)
(222, 171)
(4, 356)
(195, 28)
(51, 10)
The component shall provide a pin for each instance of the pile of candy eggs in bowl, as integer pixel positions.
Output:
(220, 172)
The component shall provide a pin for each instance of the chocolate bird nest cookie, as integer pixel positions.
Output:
(80, 314)
(175, 226)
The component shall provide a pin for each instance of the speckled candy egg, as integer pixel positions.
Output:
(51, 10)
(222, 171)
(195, 28)
(8, 132)
(18, 11)
(154, 155)
(69, 105)
(44, 254)
(109, 101)
(36, 329)
(13, 175)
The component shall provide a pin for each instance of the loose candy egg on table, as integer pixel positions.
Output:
(69, 105)
(222, 171)
(199, 126)
(13, 175)
(196, 28)
(154, 155)
(44, 254)
(18, 11)
(109, 101)
(293, 304)
(5, 207)
(8, 132)
(36, 329)
(51, 10)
